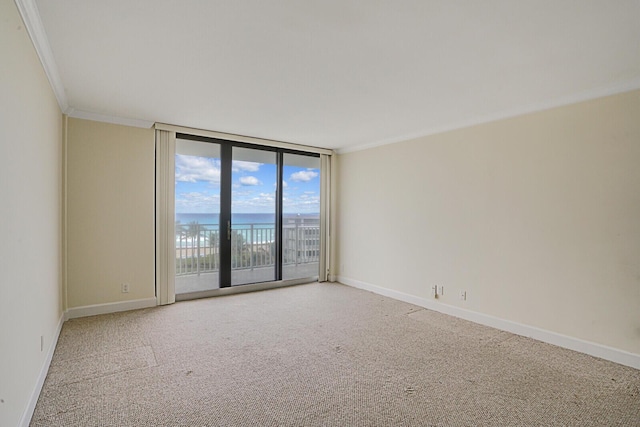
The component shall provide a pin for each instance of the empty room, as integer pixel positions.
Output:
(321, 213)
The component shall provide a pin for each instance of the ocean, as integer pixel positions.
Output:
(254, 227)
(240, 218)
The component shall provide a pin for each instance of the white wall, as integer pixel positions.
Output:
(110, 213)
(30, 217)
(536, 217)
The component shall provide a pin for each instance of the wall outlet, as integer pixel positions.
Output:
(125, 288)
(463, 295)
(41, 342)
(434, 291)
(440, 290)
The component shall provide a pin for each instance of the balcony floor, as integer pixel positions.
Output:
(209, 281)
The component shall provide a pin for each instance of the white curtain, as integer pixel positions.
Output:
(325, 216)
(165, 217)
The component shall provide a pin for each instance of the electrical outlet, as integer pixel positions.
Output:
(41, 342)
(434, 291)
(125, 288)
(441, 290)
(463, 295)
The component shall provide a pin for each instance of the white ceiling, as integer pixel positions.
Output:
(341, 74)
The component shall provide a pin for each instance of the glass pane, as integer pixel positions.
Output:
(301, 217)
(197, 203)
(253, 211)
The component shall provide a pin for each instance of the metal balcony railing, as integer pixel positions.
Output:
(252, 246)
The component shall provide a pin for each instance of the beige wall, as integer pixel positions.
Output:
(30, 216)
(110, 213)
(536, 217)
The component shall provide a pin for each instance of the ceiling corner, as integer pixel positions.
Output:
(31, 18)
(105, 118)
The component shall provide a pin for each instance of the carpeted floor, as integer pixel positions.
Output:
(321, 355)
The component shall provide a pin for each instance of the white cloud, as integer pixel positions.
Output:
(302, 204)
(194, 169)
(239, 165)
(249, 180)
(263, 202)
(197, 202)
(242, 192)
(304, 176)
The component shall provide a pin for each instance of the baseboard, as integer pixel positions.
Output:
(35, 394)
(112, 307)
(598, 350)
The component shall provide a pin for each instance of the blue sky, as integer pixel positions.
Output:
(253, 188)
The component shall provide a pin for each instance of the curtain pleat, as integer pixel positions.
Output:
(325, 215)
(165, 217)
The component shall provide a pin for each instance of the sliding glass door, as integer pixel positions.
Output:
(244, 214)
(253, 216)
(301, 216)
(197, 207)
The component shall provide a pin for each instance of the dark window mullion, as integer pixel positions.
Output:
(225, 214)
(279, 196)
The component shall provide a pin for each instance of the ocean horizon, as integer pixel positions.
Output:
(240, 218)
(262, 227)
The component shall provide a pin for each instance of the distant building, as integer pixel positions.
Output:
(301, 239)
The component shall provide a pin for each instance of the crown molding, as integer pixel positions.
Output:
(599, 92)
(105, 118)
(243, 138)
(31, 18)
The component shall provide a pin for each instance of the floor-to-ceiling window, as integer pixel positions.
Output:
(301, 216)
(197, 215)
(244, 214)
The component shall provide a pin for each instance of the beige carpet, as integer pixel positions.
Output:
(321, 355)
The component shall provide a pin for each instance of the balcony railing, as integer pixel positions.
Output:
(252, 246)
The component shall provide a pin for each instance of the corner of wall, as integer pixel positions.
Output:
(63, 196)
